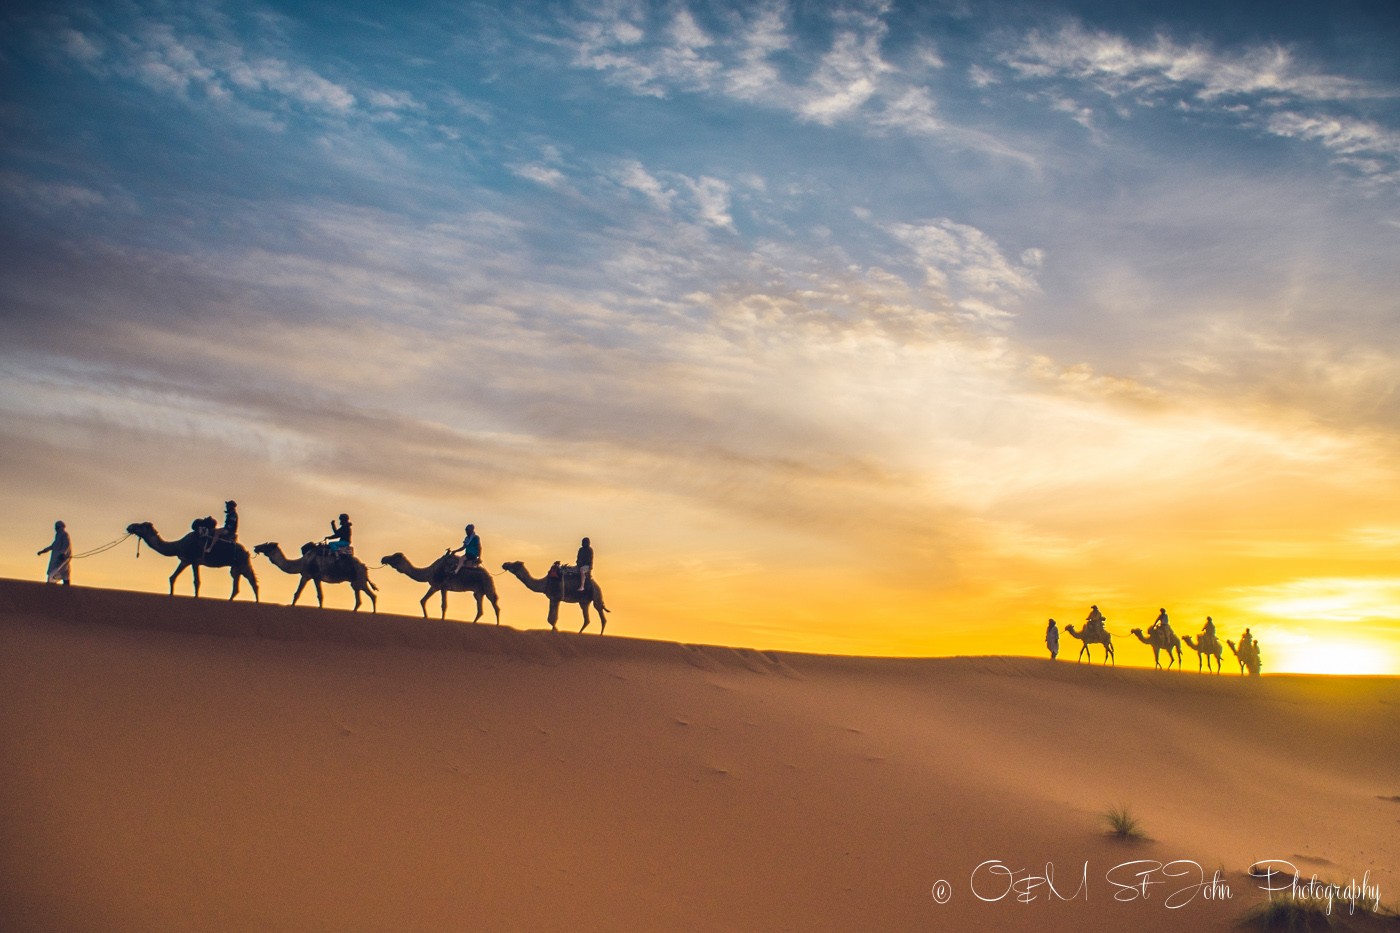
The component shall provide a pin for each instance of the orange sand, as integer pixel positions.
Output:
(173, 764)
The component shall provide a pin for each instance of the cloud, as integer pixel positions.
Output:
(969, 265)
(48, 196)
(174, 57)
(1118, 66)
(848, 81)
(542, 174)
(1263, 87)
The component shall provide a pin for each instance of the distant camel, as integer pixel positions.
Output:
(553, 588)
(1093, 638)
(321, 568)
(1162, 640)
(1249, 660)
(195, 550)
(469, 579)
(1209, 647)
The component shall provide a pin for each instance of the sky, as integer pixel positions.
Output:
(864, 328)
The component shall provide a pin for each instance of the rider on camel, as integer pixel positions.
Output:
(338, 541)
(1094, 622)
(1161, 623)
(470, 550)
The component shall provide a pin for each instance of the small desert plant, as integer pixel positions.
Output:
(1286, 913)
(1123, 824)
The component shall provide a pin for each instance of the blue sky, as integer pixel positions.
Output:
(973, 295)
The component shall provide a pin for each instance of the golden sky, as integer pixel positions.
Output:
(857, 328)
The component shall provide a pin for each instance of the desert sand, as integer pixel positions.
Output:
(177, 764)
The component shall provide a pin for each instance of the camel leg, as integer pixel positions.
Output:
(194, 569)
(300, 586)
(443, 614)
(423, 603)
(602, 615)
(477, 594)
(320, 596)
(496, 606)
(553, 613)
(583, 604)
(183, 564)
(355, 588)
(233, 574)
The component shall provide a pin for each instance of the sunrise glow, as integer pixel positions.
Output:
(868, 328)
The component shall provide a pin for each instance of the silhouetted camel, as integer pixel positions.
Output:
(317, 567)
(1209, 647)
(195, 550)
(438, 576)
(553, 588)
(1249, 660)
(1093, 638)
(1162, 640)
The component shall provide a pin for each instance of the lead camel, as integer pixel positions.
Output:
(196, 550)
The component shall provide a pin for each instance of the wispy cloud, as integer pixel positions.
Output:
(967, 263)
(1265, 87)
(212, 64)
(850, 80)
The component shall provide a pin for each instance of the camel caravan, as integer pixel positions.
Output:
(1160, 638)
(332, 560)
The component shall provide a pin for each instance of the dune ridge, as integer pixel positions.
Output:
(174, 763)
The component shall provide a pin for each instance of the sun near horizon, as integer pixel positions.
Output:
(888, 328)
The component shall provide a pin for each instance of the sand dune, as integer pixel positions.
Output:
(172, 764)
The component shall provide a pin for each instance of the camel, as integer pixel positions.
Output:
(1093, 638)
(468, 579)
(1162, 640)
(1249, 660)
(553, 588)
(321, 568)
(195, 550)
(1207, 648)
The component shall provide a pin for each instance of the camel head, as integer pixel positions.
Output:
(266, 549)
(138, 528)
(393, 559)
(514, 566)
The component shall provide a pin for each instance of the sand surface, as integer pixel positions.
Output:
(177, 764)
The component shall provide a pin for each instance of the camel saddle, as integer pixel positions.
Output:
(568, 577)
(325, 552)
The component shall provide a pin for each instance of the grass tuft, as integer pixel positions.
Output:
(1122, 824)
(1292, 916)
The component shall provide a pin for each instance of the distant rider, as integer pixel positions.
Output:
(1094, 622)
(1207, 636)
(1161, 623)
